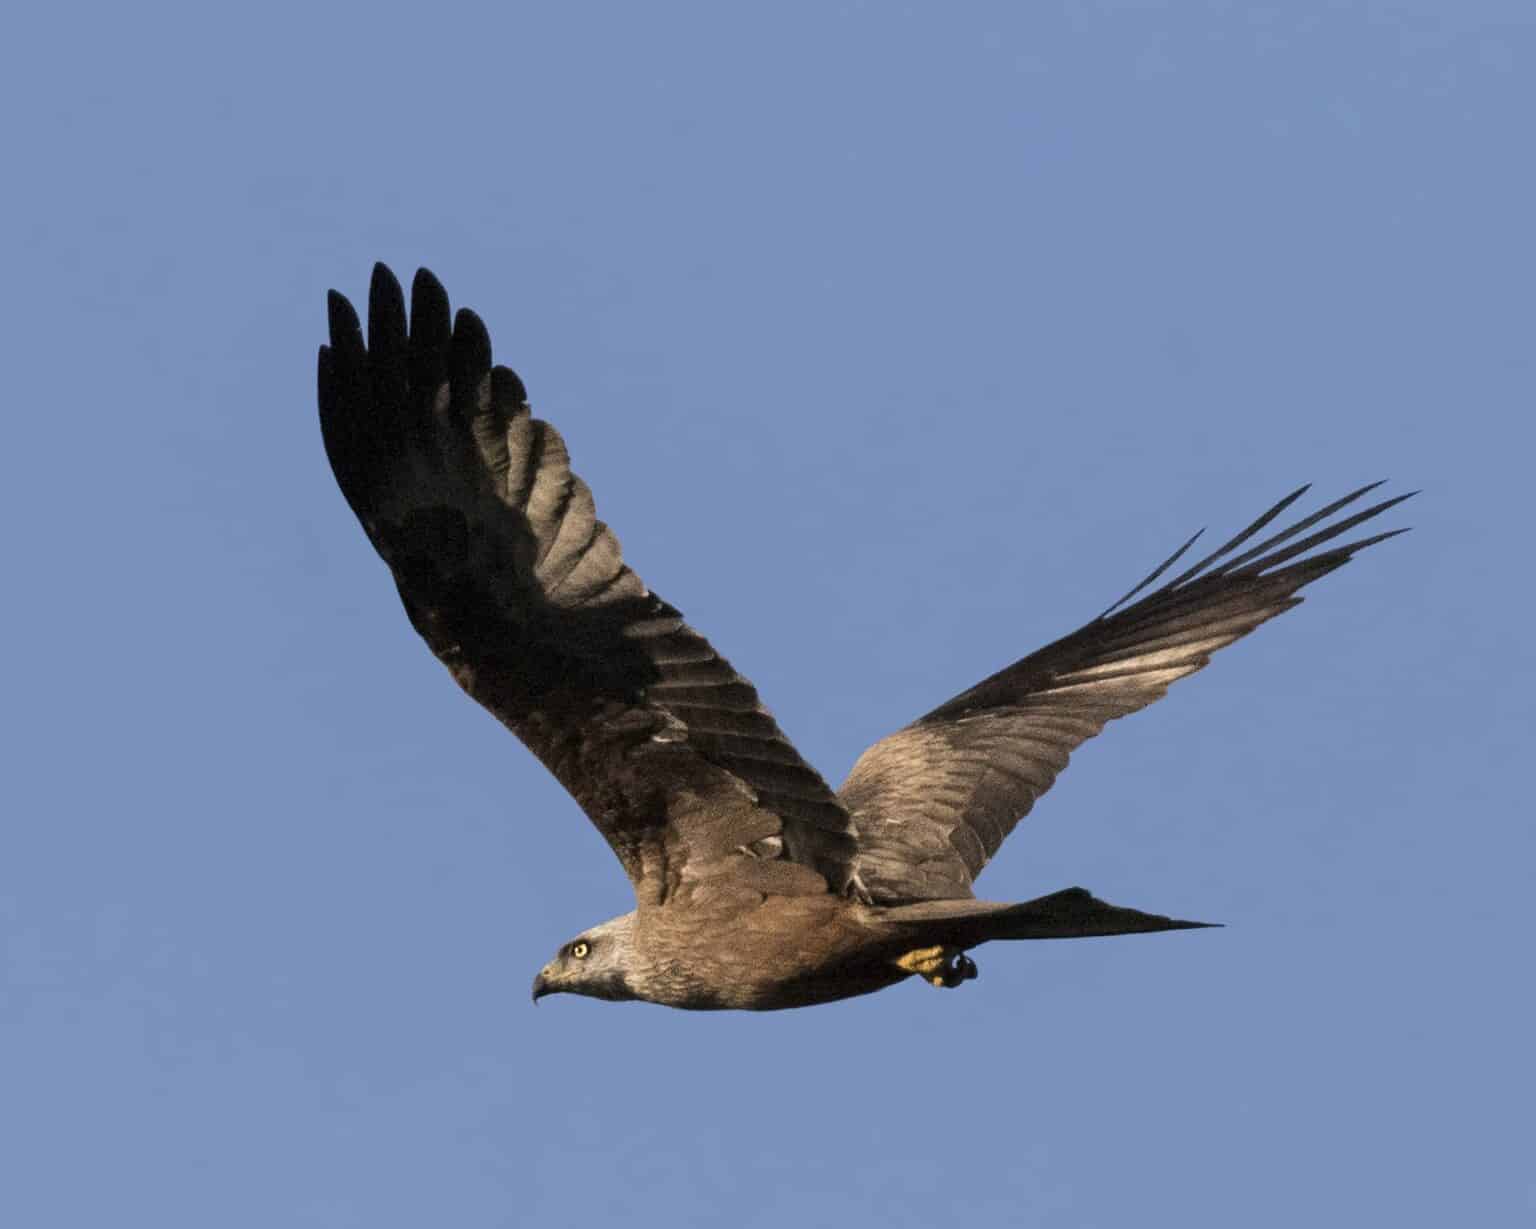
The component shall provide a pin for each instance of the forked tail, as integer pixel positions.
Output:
(1073, 913)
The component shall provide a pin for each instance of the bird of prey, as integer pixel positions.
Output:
(756, 885)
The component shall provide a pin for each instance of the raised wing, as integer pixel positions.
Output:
(521, 591)
(934, 801)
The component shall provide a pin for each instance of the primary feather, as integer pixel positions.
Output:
(522, 592)
(934, 801)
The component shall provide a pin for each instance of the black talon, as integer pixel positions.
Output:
(962, 969)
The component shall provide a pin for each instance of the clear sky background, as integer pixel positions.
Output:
(895, 340)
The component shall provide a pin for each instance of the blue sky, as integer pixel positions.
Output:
(895, 340)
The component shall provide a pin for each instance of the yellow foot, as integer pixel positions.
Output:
(939, 966)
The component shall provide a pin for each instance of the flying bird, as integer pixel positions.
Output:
(756, 884)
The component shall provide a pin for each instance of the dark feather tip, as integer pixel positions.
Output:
(427, 291)
(471, 343)
(508, 388)
(346, 329)
(386, 307)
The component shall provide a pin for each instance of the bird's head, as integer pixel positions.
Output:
(594, 963)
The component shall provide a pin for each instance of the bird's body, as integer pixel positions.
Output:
(757, 886)
(746, 949)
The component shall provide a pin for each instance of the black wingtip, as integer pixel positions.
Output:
(470, 335)
(425, 289)
(507, 388)
(431, 328)
(430, 321)
(1352, 547)
(469, 364)
(325, 376)
(386, 322)
(1156, 572)
(1391, 503)
(345, 327)
(384, 288)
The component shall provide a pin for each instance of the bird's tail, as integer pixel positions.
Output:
(1074, 913)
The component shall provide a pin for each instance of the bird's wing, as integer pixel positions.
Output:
(521, 591)
(934, 801)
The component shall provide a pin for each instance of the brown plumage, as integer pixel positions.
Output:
(756, 885)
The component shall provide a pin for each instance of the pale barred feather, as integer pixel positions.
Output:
(934, 801)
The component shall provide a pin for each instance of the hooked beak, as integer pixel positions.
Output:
(542, 985)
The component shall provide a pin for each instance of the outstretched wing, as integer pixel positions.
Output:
(934, 801)
(521, 591)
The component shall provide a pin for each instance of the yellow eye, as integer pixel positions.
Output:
(580, 950)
